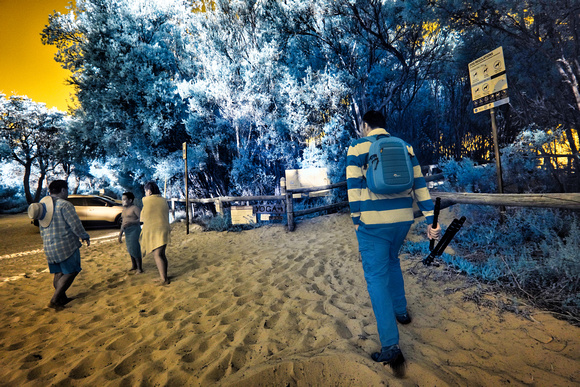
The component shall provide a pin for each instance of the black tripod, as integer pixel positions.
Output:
(442, 245)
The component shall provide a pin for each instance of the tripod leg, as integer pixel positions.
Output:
(453, 229)
(437, 251)
(444, 241)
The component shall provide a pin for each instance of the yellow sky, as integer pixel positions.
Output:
(27, 67)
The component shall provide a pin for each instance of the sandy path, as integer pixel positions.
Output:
(266, 307)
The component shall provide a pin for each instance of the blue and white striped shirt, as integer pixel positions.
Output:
(61, 237)
(374, 210)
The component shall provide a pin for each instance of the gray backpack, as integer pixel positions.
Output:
(390, 169)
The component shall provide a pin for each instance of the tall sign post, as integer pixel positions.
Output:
(489, 90)
(186, 190)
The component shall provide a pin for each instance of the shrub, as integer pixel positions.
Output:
(534, 253)
(12, 200)
(219, 223)
(467, 176)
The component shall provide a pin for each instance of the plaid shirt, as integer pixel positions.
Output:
(61, 237)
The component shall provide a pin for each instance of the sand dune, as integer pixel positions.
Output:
(265, 307)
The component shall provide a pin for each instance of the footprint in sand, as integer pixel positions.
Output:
(272, 321)
(206, 294)
(219, 309)
(16, 346)
(37, 373)
(137, 358)
(122, 342)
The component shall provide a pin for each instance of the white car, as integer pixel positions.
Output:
(93, 209)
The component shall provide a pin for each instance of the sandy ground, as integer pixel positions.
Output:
(264, 307)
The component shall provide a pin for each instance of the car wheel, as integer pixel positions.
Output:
(118, 221)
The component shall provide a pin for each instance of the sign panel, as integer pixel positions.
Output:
(307, 178)
(243, 215)
(488, 81)
(270, 208)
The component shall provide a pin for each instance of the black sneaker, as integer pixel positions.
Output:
(403, 318)
(393, 357)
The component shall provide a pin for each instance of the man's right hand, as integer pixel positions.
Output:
(433, 233)
(88, 242)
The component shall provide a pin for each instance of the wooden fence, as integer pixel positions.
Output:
(549, 200)
(286, 197)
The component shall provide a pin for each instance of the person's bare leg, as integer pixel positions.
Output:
(62, 284)
(133, 264)
(57, 277)
(139, 262)
(64, 299)
(161, 262)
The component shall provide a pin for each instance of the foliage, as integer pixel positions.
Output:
(466, 176)
(12, 200)
(219, 223)
(521, 168)
(255, 88)
(125, 57)
(541, 53)
(224, 223)
(30, 135)
(533, 253)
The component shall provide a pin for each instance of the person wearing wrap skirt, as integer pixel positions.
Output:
(132, 229)
(155, 233)
(132, 234)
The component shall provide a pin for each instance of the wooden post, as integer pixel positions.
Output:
(289, 204)
(288, 199)
(218, 206)
(186, 190)
(173, 208)
(497, 161)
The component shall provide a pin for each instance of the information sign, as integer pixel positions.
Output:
(488, 81)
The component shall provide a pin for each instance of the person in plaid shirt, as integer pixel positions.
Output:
(61, 243)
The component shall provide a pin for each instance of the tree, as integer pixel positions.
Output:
(29, 133)
(125, 57)
(252, 111)
(541, 45)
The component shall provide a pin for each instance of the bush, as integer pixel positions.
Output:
(12, 200)
(534, 253)
(224, 223)
(467, 176)
(219, 223)
(521, 170)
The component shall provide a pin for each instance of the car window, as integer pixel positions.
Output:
(77, 201)
(94, 202)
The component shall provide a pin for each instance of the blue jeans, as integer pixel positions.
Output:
(379, 249)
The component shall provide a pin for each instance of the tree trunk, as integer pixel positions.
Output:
(567, 73)
(26, 181)
(38, 192)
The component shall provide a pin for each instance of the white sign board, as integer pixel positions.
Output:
(307, 178)
(488, 81)
(243, 215)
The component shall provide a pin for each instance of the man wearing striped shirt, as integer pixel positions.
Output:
(61, 243)
(382, 223)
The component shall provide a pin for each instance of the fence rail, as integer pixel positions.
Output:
(559, 200)
(548, 200)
